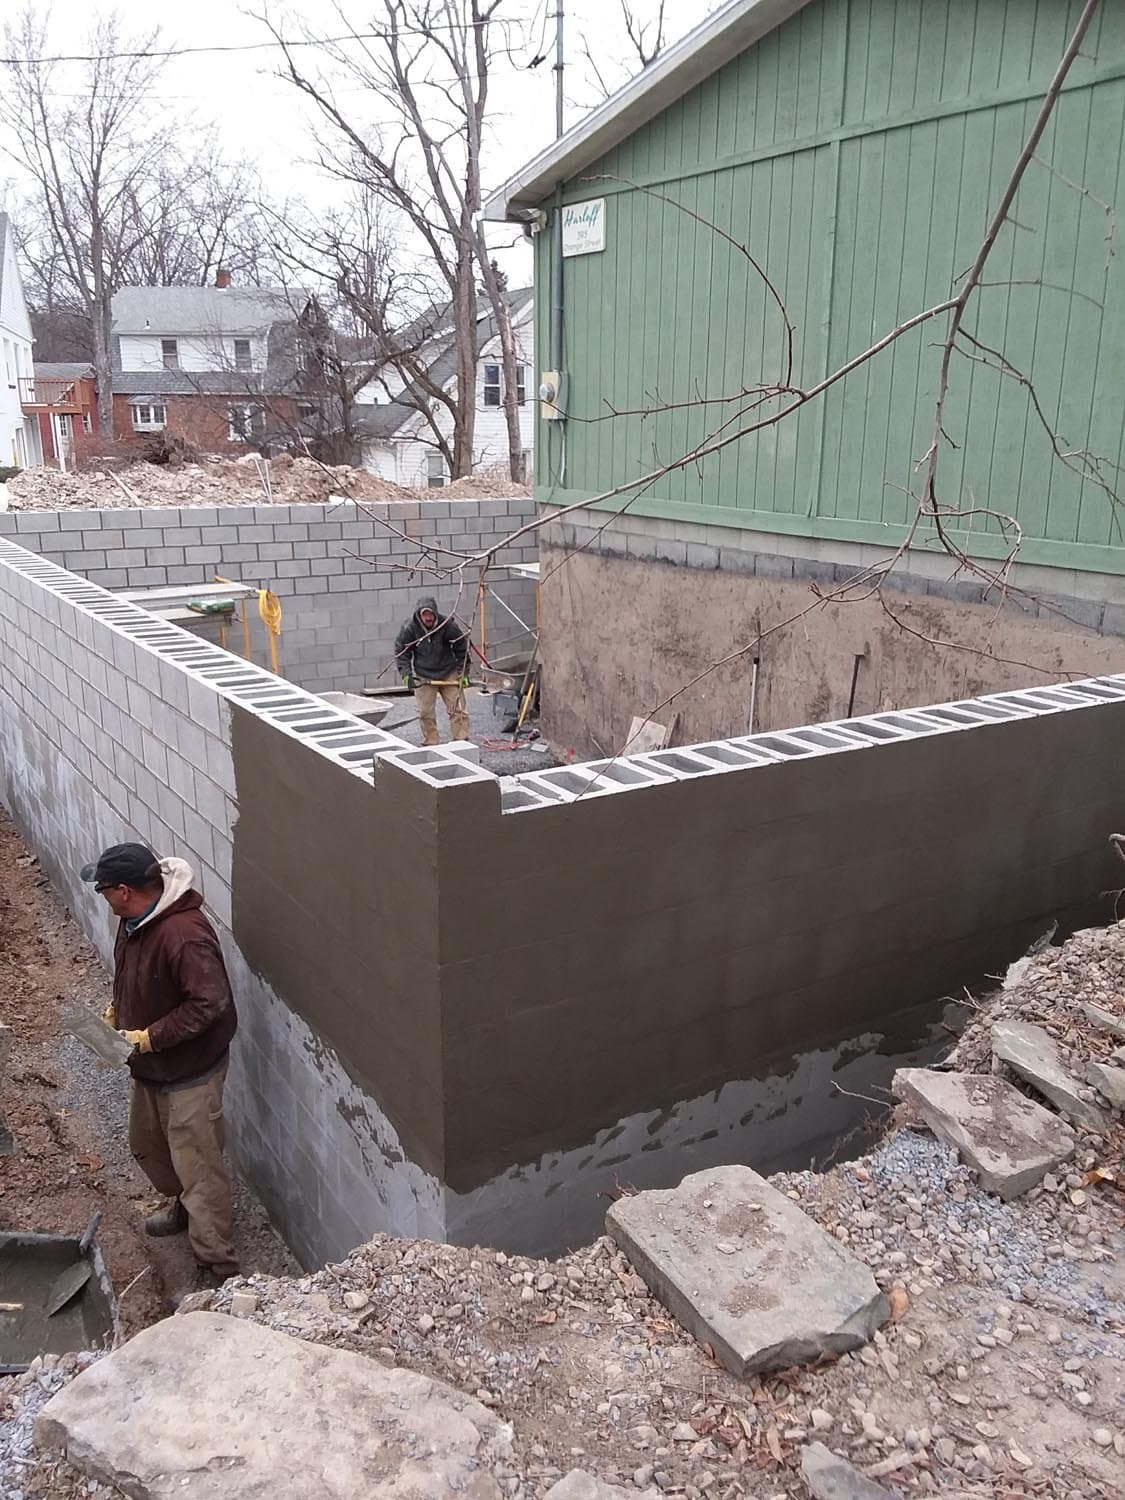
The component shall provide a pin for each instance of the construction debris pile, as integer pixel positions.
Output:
(999, 1373)
(223, 481)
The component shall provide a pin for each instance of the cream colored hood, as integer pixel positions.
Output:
(178, 876)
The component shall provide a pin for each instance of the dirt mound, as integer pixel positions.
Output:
(228, 481)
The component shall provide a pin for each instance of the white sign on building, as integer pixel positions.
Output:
(583, 227)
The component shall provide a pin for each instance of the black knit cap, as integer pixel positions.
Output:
(123, 864)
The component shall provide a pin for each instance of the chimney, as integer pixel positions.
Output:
(222, 277)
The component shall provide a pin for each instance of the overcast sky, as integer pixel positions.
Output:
(263, 119)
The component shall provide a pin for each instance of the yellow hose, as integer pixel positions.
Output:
(269, 607)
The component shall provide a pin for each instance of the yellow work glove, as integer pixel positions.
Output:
(140, 1039)
(109, 1015)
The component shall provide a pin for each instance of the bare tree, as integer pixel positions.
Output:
(643, 22)
(426, 65)
(86, 153)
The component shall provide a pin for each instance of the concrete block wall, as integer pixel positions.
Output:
(116, 726)
(470, 1006)
(346, 581)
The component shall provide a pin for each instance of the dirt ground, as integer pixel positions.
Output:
(67, 1111)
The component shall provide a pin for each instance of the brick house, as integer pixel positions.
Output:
(228, 368)
(62, 398)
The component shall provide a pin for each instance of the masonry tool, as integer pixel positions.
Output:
(67, 1286)
(109, 1045)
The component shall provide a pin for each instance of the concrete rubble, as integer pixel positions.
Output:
(1032, 1052)
(215, 1408)
(224, 481)
(1010, 1141)
(747, 1272)
(1109, 1081)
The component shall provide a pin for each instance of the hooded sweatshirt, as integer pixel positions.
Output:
(170, 980)
(439, 654)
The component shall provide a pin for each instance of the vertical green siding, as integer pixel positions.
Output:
(858, 152)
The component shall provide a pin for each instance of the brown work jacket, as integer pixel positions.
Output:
(170, 980)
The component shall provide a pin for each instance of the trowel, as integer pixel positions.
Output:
(98, 1035)
(67, 1286)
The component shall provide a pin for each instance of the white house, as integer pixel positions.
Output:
(19, 434)
(396, 437)
(215, 363)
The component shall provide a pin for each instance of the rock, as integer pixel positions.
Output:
(1011, 1142)
(1034, 1055)
(425, 1324)
(356, 1301)
(791, 1292)
(1103, 1437)
(830, 1477)
(899, 1303)
(822, 1420)
(1105, 1020)
(684, 1432)
(219, 1408)
(242, 1304)
(580, 1485)
(1109, 1082)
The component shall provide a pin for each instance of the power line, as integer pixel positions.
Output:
(282, 42)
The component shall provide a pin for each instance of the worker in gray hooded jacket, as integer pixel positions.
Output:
(433, 657)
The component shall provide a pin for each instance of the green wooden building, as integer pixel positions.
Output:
(845, 155)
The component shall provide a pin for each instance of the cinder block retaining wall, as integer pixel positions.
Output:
(469, 1007)
(346, 581)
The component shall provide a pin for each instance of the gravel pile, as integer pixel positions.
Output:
(23, 1475)
(220, 481)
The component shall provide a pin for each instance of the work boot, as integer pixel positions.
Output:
(169, 1221)
(200, 1290)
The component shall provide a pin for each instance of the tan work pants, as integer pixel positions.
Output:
(177, 1141)
(453, 696)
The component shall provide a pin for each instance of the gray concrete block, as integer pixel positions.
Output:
(770, 565)
(700, 556)
(78, 562)
(80, 520)
(147, 577)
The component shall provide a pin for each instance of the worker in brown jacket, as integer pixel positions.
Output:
(172, 999)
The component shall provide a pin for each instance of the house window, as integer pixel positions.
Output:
(305, 412)
(245, 424)
(492, 385)
(435, 470)
(148, 417)
(87, 425)
(242, 354)
(170, 353)
(521, 385)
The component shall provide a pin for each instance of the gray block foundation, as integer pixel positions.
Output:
(469, 1007)
(347, 575)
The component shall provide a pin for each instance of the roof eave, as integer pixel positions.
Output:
(731, 30)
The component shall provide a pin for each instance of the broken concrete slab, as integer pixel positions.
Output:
(1010, 1141)
(744, 1270)
(1034, 1055)
(1105, 1020)
(214, 1408)
(830, 1477)
(1109, 1082)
